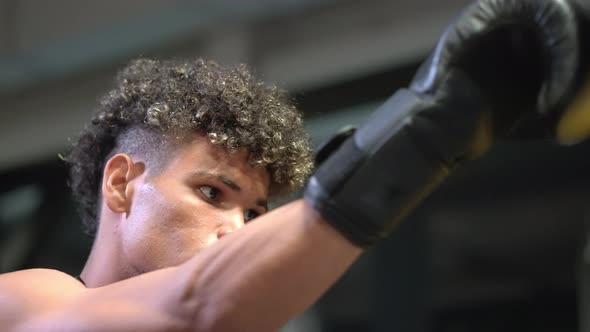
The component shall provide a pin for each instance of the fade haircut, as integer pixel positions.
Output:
(154, 102)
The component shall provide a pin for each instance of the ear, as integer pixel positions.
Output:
(117, 183)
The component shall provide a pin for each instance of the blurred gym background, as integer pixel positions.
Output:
(497, 248)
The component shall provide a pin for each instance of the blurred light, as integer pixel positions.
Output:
(18, 204)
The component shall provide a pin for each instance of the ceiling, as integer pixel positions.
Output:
(57, 57)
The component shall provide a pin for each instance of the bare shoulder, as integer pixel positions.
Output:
(37, 275)
(34, 290)
(50, 300)
(37, 282)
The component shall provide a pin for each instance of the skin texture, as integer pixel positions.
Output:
(203, 194)
(172, 256)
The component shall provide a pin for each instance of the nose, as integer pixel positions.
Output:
(234, 221)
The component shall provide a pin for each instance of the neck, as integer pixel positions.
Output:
(104, 264)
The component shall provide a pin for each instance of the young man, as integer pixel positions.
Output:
(180, 156)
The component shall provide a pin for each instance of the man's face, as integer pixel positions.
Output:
(202, 194)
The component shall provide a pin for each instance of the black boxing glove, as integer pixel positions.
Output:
(574, 124)
(500, 61)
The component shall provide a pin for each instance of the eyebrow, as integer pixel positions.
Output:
(232, 185)
(228, 182)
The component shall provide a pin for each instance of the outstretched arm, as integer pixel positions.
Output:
(255, 279)
(259, 278)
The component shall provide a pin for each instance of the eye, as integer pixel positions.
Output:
(250, 214)
(209, 192)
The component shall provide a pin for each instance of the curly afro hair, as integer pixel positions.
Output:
(164, 99)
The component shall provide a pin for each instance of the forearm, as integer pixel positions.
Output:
(258, 278)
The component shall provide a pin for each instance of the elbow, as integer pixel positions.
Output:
(226, 316)
(211, 308)
(217, 313)
(212, 316)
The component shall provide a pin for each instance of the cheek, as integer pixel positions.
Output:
(165, 229)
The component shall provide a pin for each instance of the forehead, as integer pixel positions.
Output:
(197, 154)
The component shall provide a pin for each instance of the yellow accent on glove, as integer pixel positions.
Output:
(574, 125)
